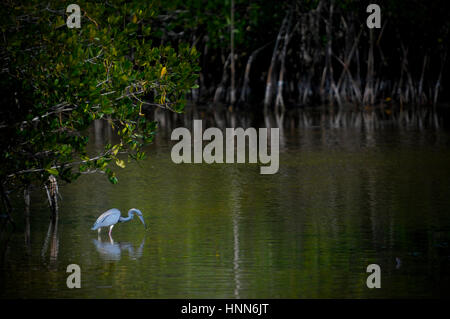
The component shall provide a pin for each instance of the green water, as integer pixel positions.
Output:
(343, 198)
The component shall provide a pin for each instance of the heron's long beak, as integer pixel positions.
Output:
(142, 220)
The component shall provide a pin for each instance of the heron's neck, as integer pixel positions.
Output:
(131, 213)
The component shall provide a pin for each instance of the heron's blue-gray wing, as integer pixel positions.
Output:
(108, 218)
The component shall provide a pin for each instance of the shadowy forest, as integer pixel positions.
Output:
(290, 53)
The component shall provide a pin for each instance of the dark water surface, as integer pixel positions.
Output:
(351, 191)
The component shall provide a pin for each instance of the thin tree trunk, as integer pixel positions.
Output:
(269, 82)
(221, 87)
(279, 99)
(410, 88)
(329, 55)
(26, 196)
(419, 90)
(368, 90)
(438, 82)
(245, 87)
(233, 84)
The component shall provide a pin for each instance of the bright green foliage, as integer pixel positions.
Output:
(56, 81)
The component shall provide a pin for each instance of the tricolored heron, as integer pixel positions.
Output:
(112, 217)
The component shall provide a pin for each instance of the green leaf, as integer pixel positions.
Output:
(120, 163)
(52, 171)
(113, 179)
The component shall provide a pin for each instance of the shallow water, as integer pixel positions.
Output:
(345, 196)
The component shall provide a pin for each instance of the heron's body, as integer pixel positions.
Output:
(112, 217)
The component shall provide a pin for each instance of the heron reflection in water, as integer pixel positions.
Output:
(110, 250)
